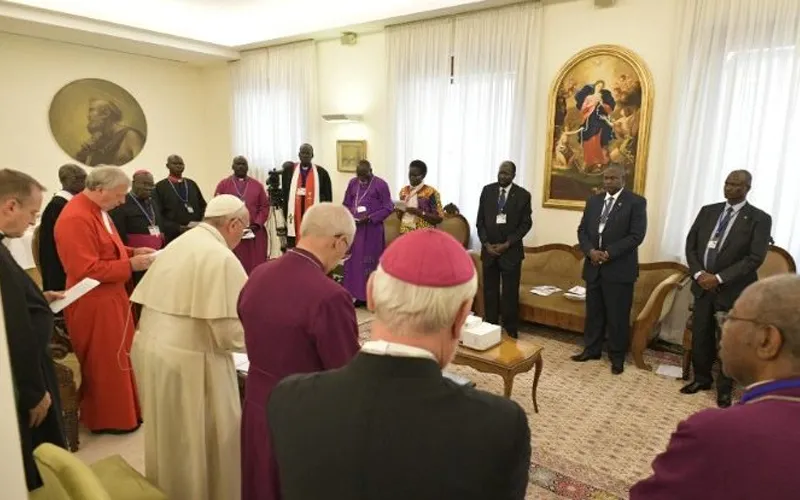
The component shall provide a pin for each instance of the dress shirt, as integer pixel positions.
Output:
(614, 198)
(736, 209)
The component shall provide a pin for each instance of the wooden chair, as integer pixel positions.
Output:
(454, 224)
(60, 346)
(778, 261)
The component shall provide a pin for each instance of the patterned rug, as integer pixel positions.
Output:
(596, 434)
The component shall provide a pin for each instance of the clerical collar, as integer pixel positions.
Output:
(764, 390)
(175, 180)
(305, 254)
(384, 348)
(304, 167)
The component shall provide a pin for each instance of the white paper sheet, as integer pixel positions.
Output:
(577, 290)
(545, 290)
(248, 235)
(73, 294)
(241, 361)
(670, 371)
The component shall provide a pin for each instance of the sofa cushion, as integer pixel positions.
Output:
(65, 476)
(123, 482)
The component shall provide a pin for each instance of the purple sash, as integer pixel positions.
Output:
(156, 242)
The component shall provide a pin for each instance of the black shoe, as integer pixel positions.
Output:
(694, 387)
(513, 335)
(584, 356)
(617, 369)
(723, 400)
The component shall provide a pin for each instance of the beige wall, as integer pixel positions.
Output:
(171, 94)
(352, 79)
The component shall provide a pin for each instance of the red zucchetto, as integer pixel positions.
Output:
(428, 257)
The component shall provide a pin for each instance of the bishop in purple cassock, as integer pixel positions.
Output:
(369, 200)
(750, 450)
(296, 320)
(252, 251)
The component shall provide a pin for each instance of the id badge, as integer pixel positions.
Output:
(154, 230)
(712, 244)
(361, 210)
(301, 191)
(501, 218)
(189, 208)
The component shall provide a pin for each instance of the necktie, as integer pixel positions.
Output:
(606, 211)
(501, 201)
(711, 254)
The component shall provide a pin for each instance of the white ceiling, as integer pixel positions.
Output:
(235, 23)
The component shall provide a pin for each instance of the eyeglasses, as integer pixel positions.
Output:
(723, 317)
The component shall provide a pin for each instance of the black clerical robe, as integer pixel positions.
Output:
(29, 327)
(139, 223)
(53, 276)
(181, 203)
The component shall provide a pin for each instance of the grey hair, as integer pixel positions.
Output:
(106, 178)
(776, 302)
(328, 219)
(408, 309)
(68, 169)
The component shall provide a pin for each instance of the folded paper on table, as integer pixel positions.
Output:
(545, 290)
(79, 290)
(577, 290)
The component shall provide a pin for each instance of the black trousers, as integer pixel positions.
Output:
(495, 275)
(608, 311)
(705, 342)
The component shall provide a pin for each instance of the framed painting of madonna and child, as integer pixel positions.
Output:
(600, 111)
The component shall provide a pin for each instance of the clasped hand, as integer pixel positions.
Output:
(598, 257)
(707, 281)
(496, 249)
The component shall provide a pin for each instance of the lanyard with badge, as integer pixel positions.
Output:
(185, 198)
(501, 206)
(152, 227)
(360, 209)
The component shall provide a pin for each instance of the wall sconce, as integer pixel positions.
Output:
(343, 118)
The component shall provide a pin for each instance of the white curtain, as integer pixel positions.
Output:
(274, 104)
(463, 127)
(736, 108)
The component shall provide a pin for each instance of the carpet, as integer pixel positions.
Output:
(596, 434)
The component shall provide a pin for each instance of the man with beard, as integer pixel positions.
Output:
(112, 142)
(182, 204)
(29, 324)
(252, 249)
(72, 179)
(304, 184)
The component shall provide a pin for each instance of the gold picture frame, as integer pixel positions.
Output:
(348, 154)
(593, 124)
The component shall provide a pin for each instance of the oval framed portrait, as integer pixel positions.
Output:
(97, 122)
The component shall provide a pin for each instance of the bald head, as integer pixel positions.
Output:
(776, 301)
(72, 178)
(761, 333)
(306, 154)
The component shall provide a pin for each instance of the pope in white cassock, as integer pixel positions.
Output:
(182, 358)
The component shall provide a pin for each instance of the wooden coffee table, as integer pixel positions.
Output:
(507, 359)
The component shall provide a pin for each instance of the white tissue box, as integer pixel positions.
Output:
(481, 336)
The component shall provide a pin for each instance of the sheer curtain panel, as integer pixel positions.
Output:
(461, 91)
(274, 104)
(735, 108)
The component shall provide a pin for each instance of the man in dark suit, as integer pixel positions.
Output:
(613, 226)
(29, 326)
(726, 245)
(504, 218)
(72, 178)
(389, 425)
(302, 184)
